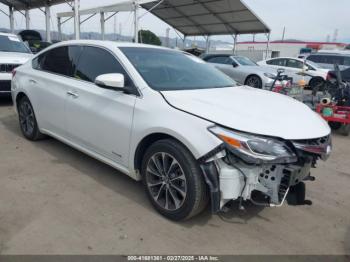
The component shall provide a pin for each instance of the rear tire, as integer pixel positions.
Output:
(173, 180)
(254, 81)
(27, 120)
(335, 125)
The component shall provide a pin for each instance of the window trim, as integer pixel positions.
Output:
(135, 87)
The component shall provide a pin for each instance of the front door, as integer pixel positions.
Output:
(100, 119)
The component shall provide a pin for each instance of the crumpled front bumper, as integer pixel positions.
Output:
(230, 178)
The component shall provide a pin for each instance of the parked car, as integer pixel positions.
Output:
(171, 120)
(34, 40)
(345, 75)
(13, 53)
(294, 67)
(243, 70)
(327, 60)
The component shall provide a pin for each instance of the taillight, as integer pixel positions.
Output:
(13, 73)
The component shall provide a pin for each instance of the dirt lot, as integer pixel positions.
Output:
(56, 200)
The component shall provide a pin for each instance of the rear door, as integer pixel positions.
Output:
(49, 81)
(100, 119)
(294, 68)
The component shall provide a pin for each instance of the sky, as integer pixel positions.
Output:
(309, 20)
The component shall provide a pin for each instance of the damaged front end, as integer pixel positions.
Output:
(261, 169)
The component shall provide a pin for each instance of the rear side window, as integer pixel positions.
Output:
(61, 60)
(95, 61)
(277, 62)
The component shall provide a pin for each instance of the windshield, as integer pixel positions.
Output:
(244, 61)
(166, 70)
(12, 44)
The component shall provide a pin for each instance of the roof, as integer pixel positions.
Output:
(7, 34)
(30, 4)
(208, 17)
(108, 44)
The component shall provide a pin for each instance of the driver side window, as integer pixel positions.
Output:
(95, 61)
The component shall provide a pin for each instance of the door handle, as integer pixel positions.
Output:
(72, 94)
(32, 81)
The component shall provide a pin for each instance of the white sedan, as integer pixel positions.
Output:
(13, 53)
(173, 121)
(295, 67)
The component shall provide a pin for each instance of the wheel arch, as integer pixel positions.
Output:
(147, 141)
(315, 78)
(19, 96)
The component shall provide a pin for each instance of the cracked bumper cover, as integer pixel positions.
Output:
(230, 177)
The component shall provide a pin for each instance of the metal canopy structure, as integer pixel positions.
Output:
(189, 17)
(208, 17)
(23, 6)
(30, 4)
(122, 6)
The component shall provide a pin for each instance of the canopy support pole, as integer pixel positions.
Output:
(102, 21)
(47, 21)
(267, 45)
(207, 44)
(59, 29)
(235, 37)
(76, 20)
(136, 21)
(12, 19)
(27, 17)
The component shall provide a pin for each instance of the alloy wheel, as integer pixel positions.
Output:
(166, 181)
(253, 81)
(26, 118)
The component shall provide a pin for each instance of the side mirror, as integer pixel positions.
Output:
(113, 81)
(234, 65)
(305, 68)
(280, 70)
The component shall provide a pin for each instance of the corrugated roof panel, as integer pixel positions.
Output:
(208, 17)
(30, 4)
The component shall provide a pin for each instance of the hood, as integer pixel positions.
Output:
(14, 57)
(251, 110)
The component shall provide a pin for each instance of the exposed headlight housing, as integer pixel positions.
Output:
(269, 75)
(253, 148)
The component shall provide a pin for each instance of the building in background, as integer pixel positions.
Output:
(261, 50)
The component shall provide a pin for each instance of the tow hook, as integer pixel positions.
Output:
(283, 199)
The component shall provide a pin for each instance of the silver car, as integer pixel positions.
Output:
(243, 70)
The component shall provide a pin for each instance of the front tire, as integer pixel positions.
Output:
(316, 84)
(173, 180)
(254, 81)
(27, 120)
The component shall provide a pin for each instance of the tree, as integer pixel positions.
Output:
(148, 37)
